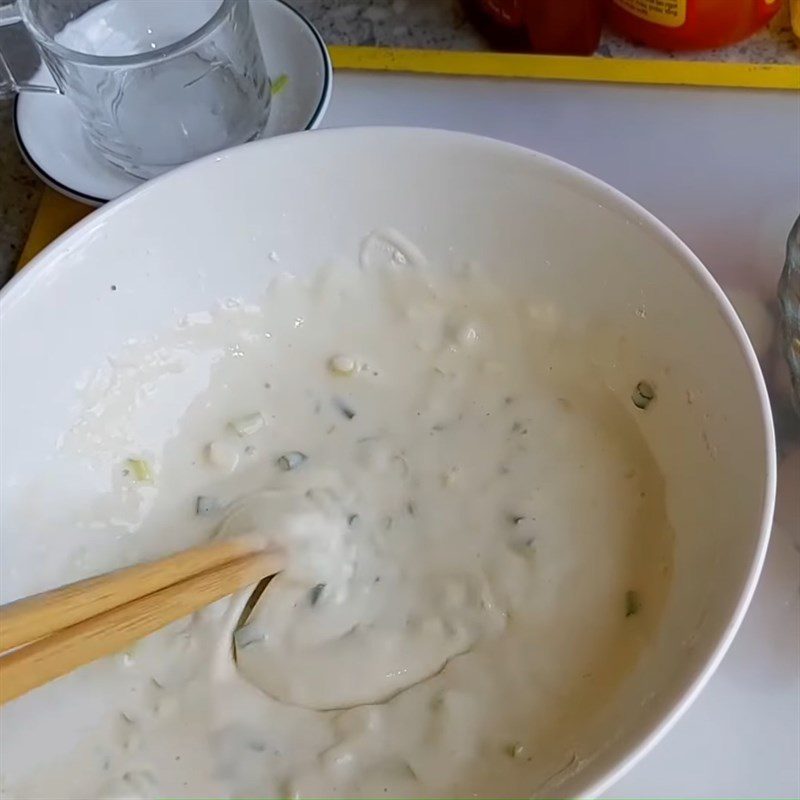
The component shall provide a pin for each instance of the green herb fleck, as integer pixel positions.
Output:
(140, 469)
(315, 593)
(515, 749)
(632, 602)
(279, 84)
(289, 461)
(248, 424)
(643, 395)
(345, 409)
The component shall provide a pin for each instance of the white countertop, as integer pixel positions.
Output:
(722, 169)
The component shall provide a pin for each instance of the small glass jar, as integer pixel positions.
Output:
(789, 299)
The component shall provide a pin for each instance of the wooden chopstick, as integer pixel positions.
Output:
(32, 617)
(113, 630)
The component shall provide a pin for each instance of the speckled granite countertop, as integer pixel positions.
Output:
(440, 24)
(437, 24)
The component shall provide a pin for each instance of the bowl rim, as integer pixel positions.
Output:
(40, 266)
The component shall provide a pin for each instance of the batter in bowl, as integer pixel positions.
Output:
(479, 547)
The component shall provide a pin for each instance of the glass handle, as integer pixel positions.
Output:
(9, 14)
(17, 46)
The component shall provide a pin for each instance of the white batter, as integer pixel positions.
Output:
(479, 547)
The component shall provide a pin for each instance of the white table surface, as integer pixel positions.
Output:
(722, 168)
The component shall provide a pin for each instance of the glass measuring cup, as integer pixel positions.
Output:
(156, 82)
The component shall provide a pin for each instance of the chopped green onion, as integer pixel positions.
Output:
(140, 469)
(222, 454)
(315, 593)
(632, 602)
(643, 395)
(515, 750)
(249, 424)
(347, 412)
(289, 461)
(279, 84)
(342, 365)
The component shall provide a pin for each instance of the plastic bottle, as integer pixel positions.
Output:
(689, 24)
(564, 26)
(500, 22)
(543, 26)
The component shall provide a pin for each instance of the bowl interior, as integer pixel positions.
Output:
(594, 259)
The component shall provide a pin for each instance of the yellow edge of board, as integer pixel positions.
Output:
(569, 68)
(55, 215)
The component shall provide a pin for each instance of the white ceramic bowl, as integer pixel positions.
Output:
(203, 232)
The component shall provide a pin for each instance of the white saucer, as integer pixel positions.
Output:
(51, 139)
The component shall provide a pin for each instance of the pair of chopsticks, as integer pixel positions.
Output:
(47, 635)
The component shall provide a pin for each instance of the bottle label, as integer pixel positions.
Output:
(669, 13)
